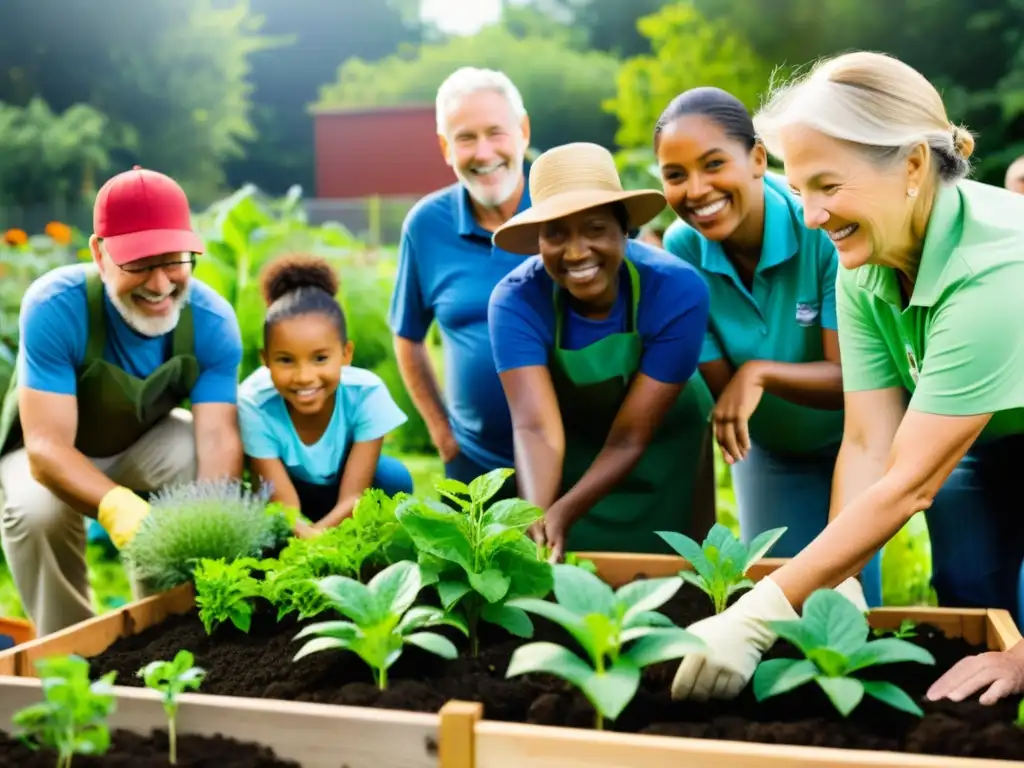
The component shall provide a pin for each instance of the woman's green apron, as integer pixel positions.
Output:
(115, 408)
(591, 385)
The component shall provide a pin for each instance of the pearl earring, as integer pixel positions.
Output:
(912, 192)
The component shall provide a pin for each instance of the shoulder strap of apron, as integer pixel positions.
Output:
(634, 300)
(96, 332)
(184, 333)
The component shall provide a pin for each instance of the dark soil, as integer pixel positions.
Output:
(130, 750)
(259, 665)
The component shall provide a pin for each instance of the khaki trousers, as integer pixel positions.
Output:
(44, 539)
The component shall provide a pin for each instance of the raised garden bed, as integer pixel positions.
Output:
(523, 714)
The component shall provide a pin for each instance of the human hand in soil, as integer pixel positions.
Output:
(733, 410)
(121, 512)
(556, 522)
(303, 531)
(735, 640)
(1001, 671)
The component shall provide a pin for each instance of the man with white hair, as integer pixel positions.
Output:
(447, 267)
(109, 351)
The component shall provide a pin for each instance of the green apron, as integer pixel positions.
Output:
(115, 408)
(659, 494)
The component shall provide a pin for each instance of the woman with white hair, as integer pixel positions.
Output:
(931, 327)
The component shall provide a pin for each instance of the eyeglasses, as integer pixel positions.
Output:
(171, 266)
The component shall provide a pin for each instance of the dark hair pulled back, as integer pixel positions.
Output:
(714, 103)
(301, 285)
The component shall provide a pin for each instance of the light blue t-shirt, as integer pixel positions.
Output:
(363, 410)
(54, 325)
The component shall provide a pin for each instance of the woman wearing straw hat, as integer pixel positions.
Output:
(596, 341)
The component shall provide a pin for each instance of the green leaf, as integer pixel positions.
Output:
(648, 619)
(92, 741)
(551, 659)
(695, 579)
(318, 644)
(739, 585)
(492, 584)
(514, 513)
(451, 592)
(483, 488)
(647, 594)
(455, 491)
(582, 592)
(830, 616)
(777, 676)
(732, 555)
(761, 544)
(442, 534)
(339, 630)
(395, 588)
(895, 697)
(845, 693)
(241, 616)
(798, 633)
(831, 663)
(662, 645)
(350, 598)
(889, 650)
(559, 614)
(612, 691)
(434, 643)
(688, 549)
(513, 620)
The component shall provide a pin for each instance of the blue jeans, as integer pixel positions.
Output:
(977, 530)
(774, 490)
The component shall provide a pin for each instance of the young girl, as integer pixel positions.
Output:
(312, 425)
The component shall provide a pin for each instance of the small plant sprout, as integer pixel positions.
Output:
(832, 634)
(72, 718)
(169, 679)
(720, 564)
(907, 628)
(225, 591)
(603, 622)
(383, 620)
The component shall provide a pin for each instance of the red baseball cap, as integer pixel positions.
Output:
(141, 213)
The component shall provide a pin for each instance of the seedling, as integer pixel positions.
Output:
(604, 621)
(382, 622)
(570, 558)
(832, 634)
(720, 564)
(479, 558)
(72, 718)
(907, 628)
(225, 591)
(169, 679)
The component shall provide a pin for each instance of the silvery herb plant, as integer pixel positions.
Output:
(833, 636)
(478, 555)
(382, 621)
(72, 718)
(720, 564)
(170, 679)
(621, 632)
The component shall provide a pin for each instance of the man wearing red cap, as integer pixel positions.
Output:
(109, 351)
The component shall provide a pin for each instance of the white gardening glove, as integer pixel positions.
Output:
(852, 590)
(736, 639)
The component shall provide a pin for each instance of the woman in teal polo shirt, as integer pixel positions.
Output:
(931, 325)
(596, 342)
(771, 354)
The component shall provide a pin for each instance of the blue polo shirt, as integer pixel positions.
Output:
(447, 268)
(671, 318)
(782, 318)
(54, 325)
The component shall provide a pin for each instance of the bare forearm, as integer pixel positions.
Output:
(418, 376)
(221, 456)
(70, 475)
(538, 467)
(815, 385)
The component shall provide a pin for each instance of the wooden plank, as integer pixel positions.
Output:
(509, 745)
(618, 568)
(457, 747)
(968, 623)
(314, 735)
(1001, 634)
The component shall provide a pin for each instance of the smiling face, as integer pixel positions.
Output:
(485, 144)
(711, 180)
(864, 209)
(149, 293)
(305, 356)
(583, 253)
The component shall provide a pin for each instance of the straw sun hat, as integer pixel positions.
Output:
(568, 179)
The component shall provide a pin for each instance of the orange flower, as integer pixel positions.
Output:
(15, 237)
(58, 232)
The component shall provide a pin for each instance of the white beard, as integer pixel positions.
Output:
(492, 197)
(144, 324)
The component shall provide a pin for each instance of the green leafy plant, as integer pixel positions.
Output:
(570, 558)
(720, 564)
(170, 679)
(225, 592)
(604, 622)
(832, 635)
(479, 556)
(382, 622)
(206, 519)
(907, 628)
(72, 718)
(1020, 714)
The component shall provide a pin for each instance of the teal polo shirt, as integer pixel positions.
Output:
(958, 347)
(782, 319)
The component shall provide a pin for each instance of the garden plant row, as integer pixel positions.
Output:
(435, 633)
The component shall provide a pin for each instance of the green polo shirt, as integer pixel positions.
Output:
(958, 347)
(793, 299)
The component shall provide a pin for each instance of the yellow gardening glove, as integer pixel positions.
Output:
(121, 512)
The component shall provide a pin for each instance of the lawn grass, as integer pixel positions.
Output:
(906, 561)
